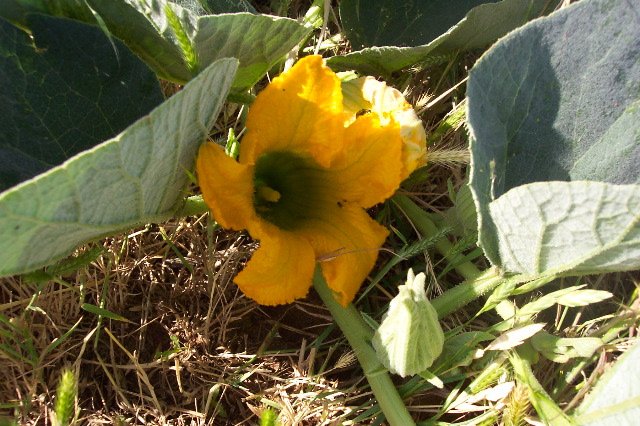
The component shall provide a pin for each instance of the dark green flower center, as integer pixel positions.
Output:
(288, 189)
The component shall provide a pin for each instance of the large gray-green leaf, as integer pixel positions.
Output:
(481, 26)
(582, 226)
(258, 41)
(227, 6)
(70, 91)
(557, 100)
(399, 23)
(615, 400)
(137, 177)
(144, 27)
(16, 11)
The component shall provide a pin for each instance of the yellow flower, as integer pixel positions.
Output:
(369, 94)
(308, 167)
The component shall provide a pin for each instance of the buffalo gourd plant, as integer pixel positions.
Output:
(90, 147)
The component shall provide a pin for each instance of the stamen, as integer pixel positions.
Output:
(268, 194)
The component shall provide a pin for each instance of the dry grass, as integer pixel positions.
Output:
(189, 348)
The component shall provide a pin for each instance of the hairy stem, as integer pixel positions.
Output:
(427, 228)
(359, 334)
(476, 284)
(193, 206)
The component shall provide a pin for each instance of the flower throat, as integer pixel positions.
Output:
(287, 189)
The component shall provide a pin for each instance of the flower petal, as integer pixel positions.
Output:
(227, 187)
(281, 270)
(367, 93)
(300, 111)
(346, 244)
(370, 168)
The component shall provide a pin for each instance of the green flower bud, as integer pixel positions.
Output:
(410, 337)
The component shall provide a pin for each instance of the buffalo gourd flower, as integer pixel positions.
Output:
(310, 163)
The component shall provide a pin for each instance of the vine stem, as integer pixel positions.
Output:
(193, 206)
(477, 282)
(359, 334)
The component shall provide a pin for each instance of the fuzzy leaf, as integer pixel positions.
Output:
(258, 41)
(144, 27)
(136, 177)
(227, 6)
(400, 22)
(615, 400)
(425, 38)
(69, 92)
(581, 227)
(557, 100)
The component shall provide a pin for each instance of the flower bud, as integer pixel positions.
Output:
(410, 337)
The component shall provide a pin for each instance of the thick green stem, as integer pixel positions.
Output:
(466, 292)
(476, 284)
(359, 334)
(193, 206)
(427, 228)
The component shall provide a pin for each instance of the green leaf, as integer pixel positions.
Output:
(136, 177)
(571, 296)
(93, 309)
(462, 216)
(568, 227)
(481, 26)
(227, 6)
(370, 23)
(17, 11)
(459, 350)
(258, 41)
(167, 42)
(145, 29)
(583, 298)
(143, 25)
(545, 406)
(69, 92)
(72, 264)
(557, 100)
(514, 337)
(615, 400)
(561, 350)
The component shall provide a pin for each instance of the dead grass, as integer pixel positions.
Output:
(191, 348)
